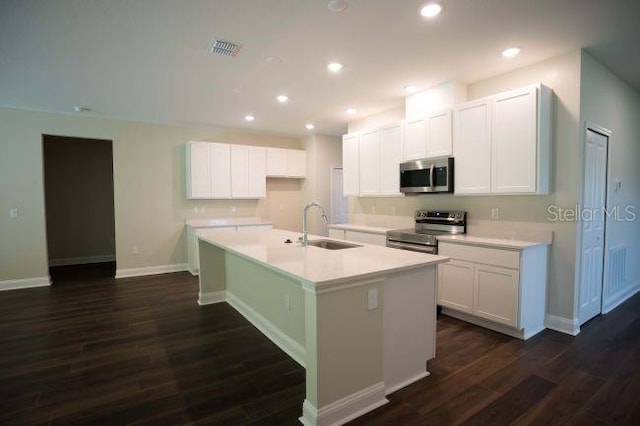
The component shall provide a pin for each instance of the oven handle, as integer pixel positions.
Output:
(411, 247)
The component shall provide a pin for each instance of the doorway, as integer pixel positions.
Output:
(79, 207)
(592, 222)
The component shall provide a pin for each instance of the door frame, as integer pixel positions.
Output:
(590, 126)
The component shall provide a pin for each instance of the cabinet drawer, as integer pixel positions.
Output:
(485, 255)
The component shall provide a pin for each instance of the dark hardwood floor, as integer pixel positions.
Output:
(93, 350)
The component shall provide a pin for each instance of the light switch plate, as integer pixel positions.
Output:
(372, 299)
(13, 213)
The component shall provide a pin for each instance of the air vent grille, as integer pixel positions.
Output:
(225, 47)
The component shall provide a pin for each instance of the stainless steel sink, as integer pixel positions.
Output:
(332, 245)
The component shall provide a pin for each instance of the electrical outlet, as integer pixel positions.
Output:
(372, 299)
(233, 209)
(135, 250)
(13, 213)
(495, 213)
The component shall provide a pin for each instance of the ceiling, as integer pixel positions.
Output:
(148, 60)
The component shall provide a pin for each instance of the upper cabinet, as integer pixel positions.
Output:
(289, 163)
(223, 171)
(390, 158)
(502, 143)
(351, 164)
(428, 137)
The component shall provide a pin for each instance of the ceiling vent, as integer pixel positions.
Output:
(225, 47)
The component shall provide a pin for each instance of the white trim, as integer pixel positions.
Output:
(491, 325)
(150, 270)
(338, 285)
(212, 297)
(294, 349)
(563, 325)
(82, 260)
(407, 382)
(25, 283)
(345, 409)
(619, 298)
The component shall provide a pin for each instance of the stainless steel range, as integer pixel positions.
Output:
(429, 225)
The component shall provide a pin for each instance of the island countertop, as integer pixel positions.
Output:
(314, 264)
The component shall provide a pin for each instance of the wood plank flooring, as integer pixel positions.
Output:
(91, 350)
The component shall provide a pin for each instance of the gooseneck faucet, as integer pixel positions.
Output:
(304, 219)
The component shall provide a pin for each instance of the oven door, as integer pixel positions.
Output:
(422, 248)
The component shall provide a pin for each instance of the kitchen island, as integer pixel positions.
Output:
(360, 320)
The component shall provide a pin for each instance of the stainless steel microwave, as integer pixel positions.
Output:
(427, 175)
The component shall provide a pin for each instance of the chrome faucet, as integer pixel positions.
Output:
(304, 219)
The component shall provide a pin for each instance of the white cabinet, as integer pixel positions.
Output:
(390, 159)
(472, 148)
(415, 139)
(458, 291)
(248, 172)
(439, 134)
(208, 170)
(427, 137)
(290, 163)
(503, 143)
(223, 171)
(350, 164)
(193, 250)
(369, 155)
(499, 288)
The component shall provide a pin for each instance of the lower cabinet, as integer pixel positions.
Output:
(193, 250)
(375, 239)
(501, 289)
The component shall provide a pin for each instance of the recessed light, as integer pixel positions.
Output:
(411, 88)
(431, 9)
(282, 98)
(510, 52)
(351, 111)
(337, 5)
(335, 67)
(79, 108)
(249, 117)
(309, 126)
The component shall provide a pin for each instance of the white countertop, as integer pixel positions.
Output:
(213, 222)
(489, 242)
(313, 264)
(360, 228)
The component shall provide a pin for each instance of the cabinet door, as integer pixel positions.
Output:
(390, 158)
(369, 154)
(220, 166)
(439, 135)
(415, 139)
(198, 171)
(257, 182)
(276, 162)
(350, 165)
(296, 163)
(472, 148)
(513, 147)
(455, 285)
(239, 171)
(496, 294)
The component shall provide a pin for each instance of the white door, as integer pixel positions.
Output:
(257, 173)
(220, 165)
(439, 134)
(415, 139)
(351, 164)
(593, 203)
(390, 159)
(199, 178)
(472, 148)
(339, 203)
(369, 155)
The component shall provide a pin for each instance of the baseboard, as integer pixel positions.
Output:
(481, 322)
(294, 349)
(345, 409)
(82, 260)
(151, 270)
(563, 325)
(620, 298)
(212, 297)
(406, 383)
(25, 283)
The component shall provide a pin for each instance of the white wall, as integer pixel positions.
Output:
(607, 101)
(149, 185)
(523, 217)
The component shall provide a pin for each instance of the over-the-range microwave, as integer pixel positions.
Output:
(428, 175)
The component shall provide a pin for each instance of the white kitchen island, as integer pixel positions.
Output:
(360, 320)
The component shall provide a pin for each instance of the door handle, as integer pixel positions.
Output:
(431, 176)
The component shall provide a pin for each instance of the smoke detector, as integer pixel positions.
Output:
(225, 47)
